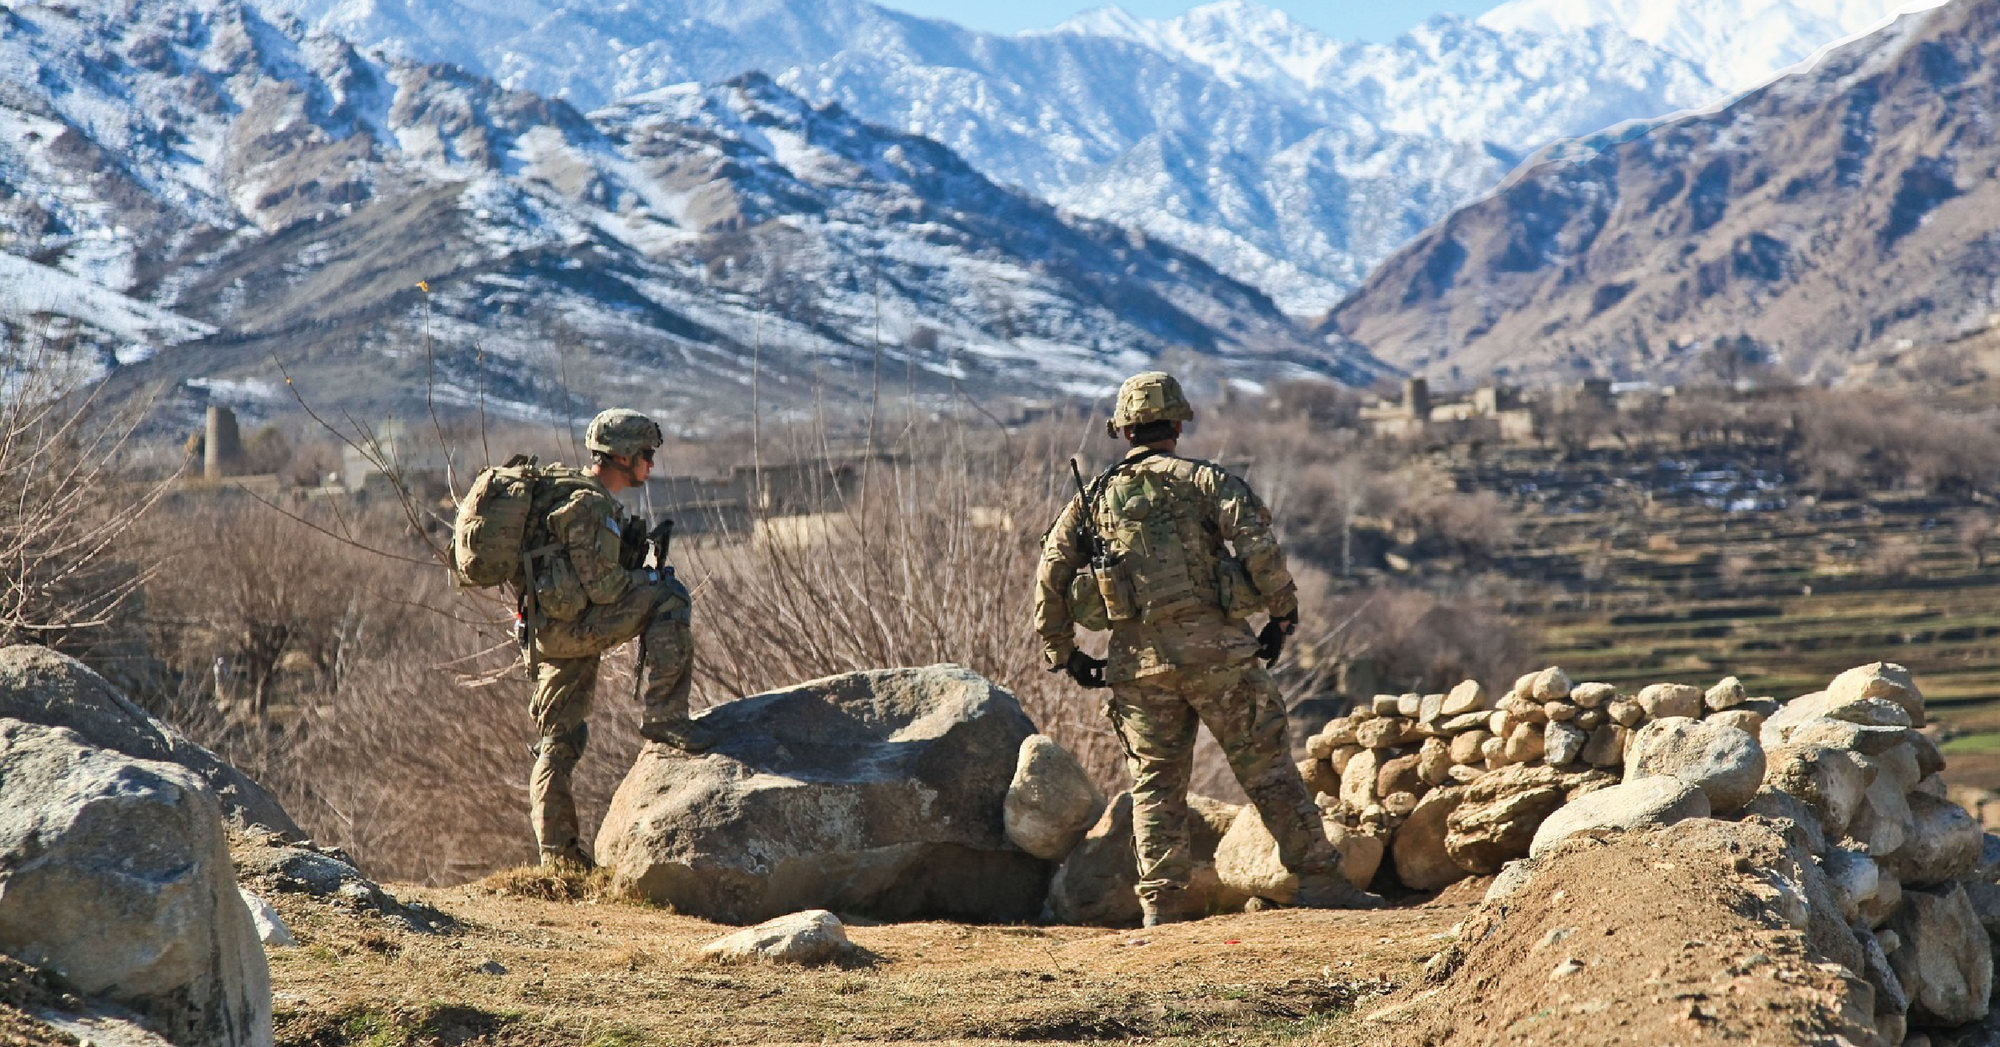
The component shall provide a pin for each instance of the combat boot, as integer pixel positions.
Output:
(1163, 908)
(571, 856)
(1332, 891)
(687, 735)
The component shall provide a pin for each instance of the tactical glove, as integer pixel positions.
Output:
(1271, 641)
(1085, 670)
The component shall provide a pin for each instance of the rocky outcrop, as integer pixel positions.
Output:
(878, 792)
(40, 686)
(115, 874)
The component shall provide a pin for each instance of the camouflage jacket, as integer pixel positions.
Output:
(1206, 517)
(590, 526)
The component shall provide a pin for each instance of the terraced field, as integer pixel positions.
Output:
(1711, 566)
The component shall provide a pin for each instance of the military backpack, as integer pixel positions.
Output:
(501, 528)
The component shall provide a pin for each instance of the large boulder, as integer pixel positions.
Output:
(1945, 962)
(38, 685)
(1051, 801)
(877, 792)
(115, 874)
(1645, 803)
(1720, 760)
(1829, 781)
(1499, 813)
(1418, 848)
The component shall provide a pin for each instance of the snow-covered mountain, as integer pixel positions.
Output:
(1233, 104)
(1737, 44)
(242, 194)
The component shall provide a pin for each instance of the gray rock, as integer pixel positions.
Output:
(1884, 680)
(1465, 698)
(1854, 878)
(271, 929)
(1592, 695)
(1606, 747)
(1943, 844)
(877, 792)
(275, 866)
(1662, 700)
(1720, 760)
(1749, 721)
(1868, 712)
(811, 937)
(1884, 822)
(1549, 684)
(1646, 803)
(1946, 961)
(1889, 995)
(38, 685)
(1508, 882)
(1563, 743)
(115, 874)
(1830, 781)
(1499, 813)
(1728, 693)
(1987, 870)
(1050, 801)
(1788, 816)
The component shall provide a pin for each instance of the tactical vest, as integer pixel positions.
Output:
(1170, 560)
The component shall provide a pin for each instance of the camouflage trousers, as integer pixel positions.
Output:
(1159, 716)
(565, 685)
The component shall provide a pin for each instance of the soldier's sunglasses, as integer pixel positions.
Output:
(647, 454)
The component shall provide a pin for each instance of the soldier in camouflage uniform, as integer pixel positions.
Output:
(1194, 557)
(593, 593)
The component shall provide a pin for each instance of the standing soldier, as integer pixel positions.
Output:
(592, 594)
(1173, 554)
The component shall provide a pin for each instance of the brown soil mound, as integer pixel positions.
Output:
(1660, 938)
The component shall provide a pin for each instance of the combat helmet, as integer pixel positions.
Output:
(1150, 396)
(625, 433)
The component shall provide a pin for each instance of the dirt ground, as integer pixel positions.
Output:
(529, 972)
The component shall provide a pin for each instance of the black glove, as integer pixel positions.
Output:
(1085, 670)
(1271, 641)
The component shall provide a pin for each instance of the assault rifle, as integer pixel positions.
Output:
(661, 538)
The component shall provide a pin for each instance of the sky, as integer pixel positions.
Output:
(1344, 19)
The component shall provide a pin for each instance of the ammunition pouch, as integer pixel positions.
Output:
(1086, 602)
(1234, 589)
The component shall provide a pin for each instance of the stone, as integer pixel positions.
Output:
(1790, 817)
(1434, 761)
(1497, 817)
(1987, 869)
(1499, 722)
(271, 929)
(272, 865)
(1944, 843)
(1870, 712)
(1840, 734)
(1385, 704)
(1469, 696)
(115, 874)
(1749, 721)
(1421, 861)
(1985, 899)
(1549, 684)
(1830, 781)
(877, 792)
(1508, 882)
(1343, 756)
(1930, 759)
(1360, 853)
(40, 686)
(1633, 805)
(1890, 999)
(1466, 723)
(1591, 719)
(1945, 962)
(1606, 747)
(1559, 711)
(814, 936)
(1409, 705)
(1339, 731)
(1399, 775)
(1899, 763)
(1383, 732)
(1855, 879)
(1722, 761)
(1357, 782)
(1466, 748)
(1246, 860)
(1563, 743)
(1625, 712)
(1525, 744)
(1883, 822)
(1523, 710)
(1321, 745)
(1661, 700)
(1462, 773)
(1885, 680)
(1430, 711)
(1399, 804)
(1050, 801)
(1493, 751)
(1592, 695)
(1320, 779)
(1728, 693)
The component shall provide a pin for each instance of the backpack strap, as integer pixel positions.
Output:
(1097, 486)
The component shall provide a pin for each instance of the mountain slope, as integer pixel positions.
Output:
(1072, 114)
(1826, 217)
(275, 185)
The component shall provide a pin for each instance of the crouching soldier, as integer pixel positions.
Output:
(1173, 554)
(592, 593)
